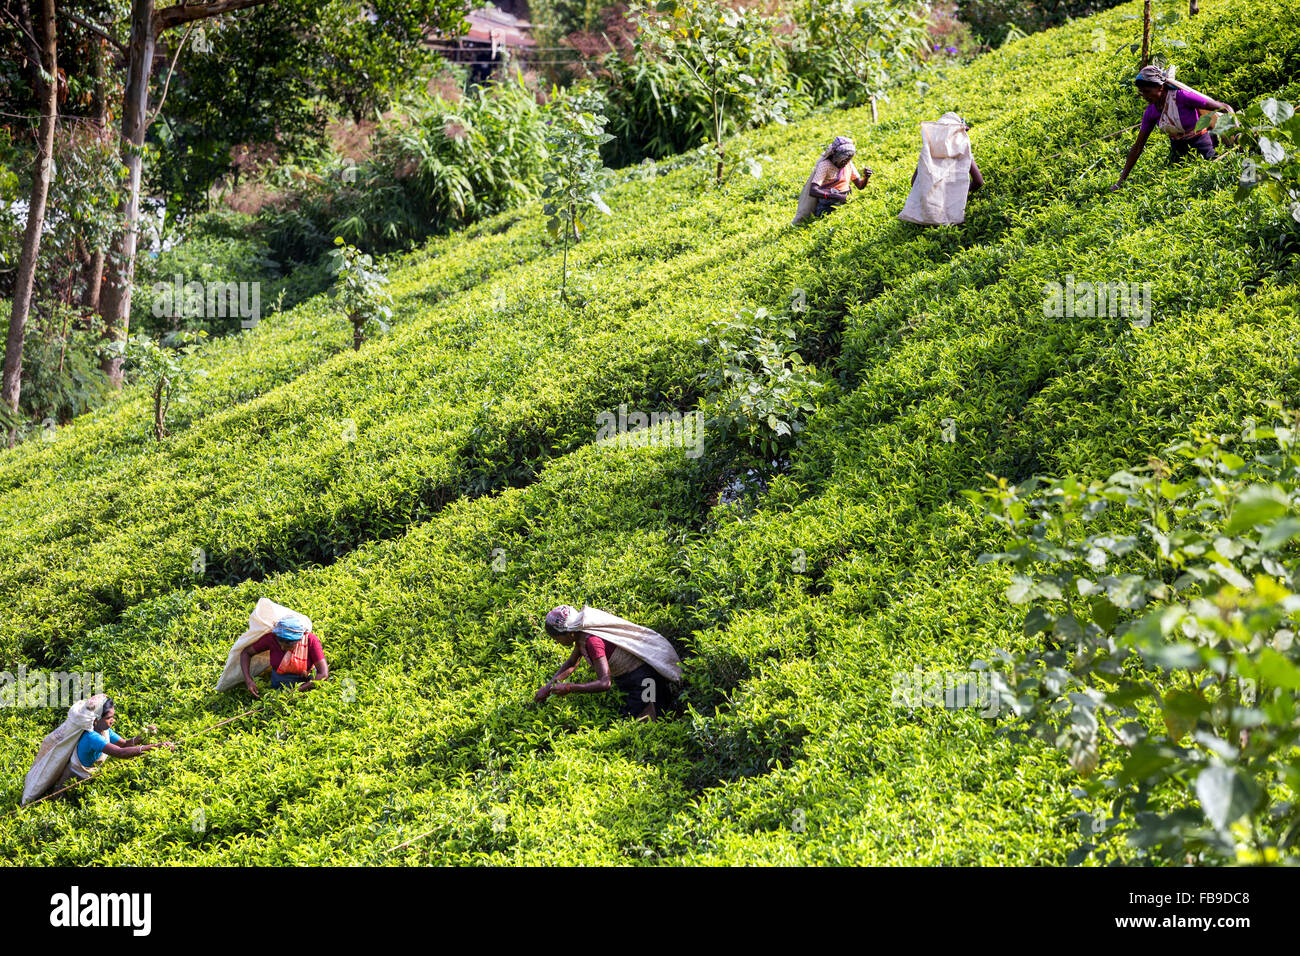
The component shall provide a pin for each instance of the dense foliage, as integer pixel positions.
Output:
(435, 165)
(1170, 638)
(849, 51)
(993, 20)
(1272, 128)
(427, 498)
(729, 56)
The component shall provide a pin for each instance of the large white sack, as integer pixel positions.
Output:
(264, 617)
(938, 196)
(58, 746)
(650, 646)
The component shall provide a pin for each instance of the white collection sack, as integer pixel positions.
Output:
(650, 646)
(58, 746)
(938, 196)
(264, 617)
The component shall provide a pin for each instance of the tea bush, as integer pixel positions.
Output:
(427, 498)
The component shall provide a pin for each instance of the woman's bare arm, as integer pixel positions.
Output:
(1134, 152)
(244, 659)
(827, 192)
(119, 750)
(569, 666)
(601, 683)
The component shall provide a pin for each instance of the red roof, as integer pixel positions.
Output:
(492, 25)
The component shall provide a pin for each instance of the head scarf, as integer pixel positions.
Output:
(291, 627)
(952, 119)
(1152, 75)
(93, 704)
(1157, 76)
(838, 146)
(557, 619)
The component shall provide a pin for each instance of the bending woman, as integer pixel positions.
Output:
(638, 660)
(102, 741)
(295, 653)
(946, 174)
(1175, 109)
(828, 186)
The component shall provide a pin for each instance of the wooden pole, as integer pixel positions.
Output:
(1146, 32)
(875, 117)
(1193, 7)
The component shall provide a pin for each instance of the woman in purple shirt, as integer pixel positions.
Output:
(1175, 109)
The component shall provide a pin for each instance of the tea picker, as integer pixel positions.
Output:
(946, 173)
(278, 640)
(639, 661)
(1175, 109)
(152, 729)
(828, 186)
(78, 746)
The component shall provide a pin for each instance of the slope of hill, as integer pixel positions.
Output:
(427, 499)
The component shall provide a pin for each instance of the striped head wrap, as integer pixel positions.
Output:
(839, 146)
(1153, 75)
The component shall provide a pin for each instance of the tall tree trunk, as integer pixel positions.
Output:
(116, 296)
(146, 26)
(32, 50)
(94, 280)
(1146, 33)
(95, 268)
(11, 387)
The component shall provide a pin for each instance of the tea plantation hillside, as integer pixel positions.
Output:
(427, 499)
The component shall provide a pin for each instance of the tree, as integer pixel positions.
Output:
(361, 291)
(1272, 128)
(573, 183)
(1163, 603)
(370, 51)
(147, 24)
(163, 366)
(11, 388)
(851, 50)
(389, 21)
(268, 76)
(727, 53)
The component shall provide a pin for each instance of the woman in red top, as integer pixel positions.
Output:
(296, 655)
(641, 685)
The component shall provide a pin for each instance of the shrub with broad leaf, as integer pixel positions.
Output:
(1166, 598)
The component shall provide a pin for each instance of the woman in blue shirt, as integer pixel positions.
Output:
(100, 742)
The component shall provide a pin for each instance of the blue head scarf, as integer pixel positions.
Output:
(291, 627)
